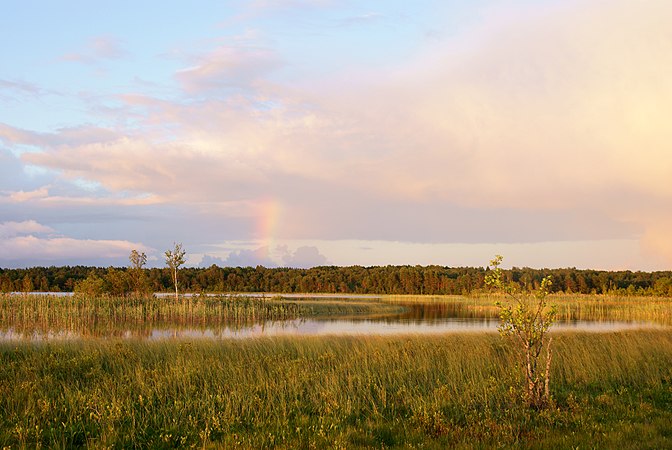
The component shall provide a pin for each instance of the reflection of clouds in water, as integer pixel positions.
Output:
(377, 328)
(301, 327)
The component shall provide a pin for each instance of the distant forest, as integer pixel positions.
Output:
(432, 280)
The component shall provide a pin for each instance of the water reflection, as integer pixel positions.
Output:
(311, 327)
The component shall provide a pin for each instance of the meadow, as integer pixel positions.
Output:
(454, 390)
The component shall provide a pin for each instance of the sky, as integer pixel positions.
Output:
(297, 133)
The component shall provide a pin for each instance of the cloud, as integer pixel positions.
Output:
(656, 242)
(71, 136)
(360, 19)
(30, 243)
(21, 86)
(302, 257)
(32, 251)
(209, 260)
(98, 49)
(14, 90)
(228, 66)
(305, 257)
(247, 258)
(257, 7)
(546, 122)
(13, 229)
(23, 196)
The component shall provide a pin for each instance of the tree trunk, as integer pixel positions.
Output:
(547, 377)
(175, 282)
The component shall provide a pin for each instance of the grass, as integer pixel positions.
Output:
(612, 389)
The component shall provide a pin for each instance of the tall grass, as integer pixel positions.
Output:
(336, 392)
(602, 307)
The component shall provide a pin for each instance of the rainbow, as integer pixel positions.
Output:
(267, 223)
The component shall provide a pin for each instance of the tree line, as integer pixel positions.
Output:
(414, 280)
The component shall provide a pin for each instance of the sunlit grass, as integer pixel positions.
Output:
(336, 392)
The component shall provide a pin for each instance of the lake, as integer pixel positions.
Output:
(418, 318)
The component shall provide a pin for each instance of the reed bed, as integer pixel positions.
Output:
(339, 392)
(569, 306)
(41, 315)
(612, 307)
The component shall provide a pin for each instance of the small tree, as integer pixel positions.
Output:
(91, 286)
(138, 260)
(174, 259)
(117, 282)
(527, 318)
(27, 284)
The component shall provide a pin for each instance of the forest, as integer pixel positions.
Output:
(396, 280)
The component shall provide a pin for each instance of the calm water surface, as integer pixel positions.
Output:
(379, 328)
(426, 319)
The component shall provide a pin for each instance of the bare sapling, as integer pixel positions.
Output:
(526, 318)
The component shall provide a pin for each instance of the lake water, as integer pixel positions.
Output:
(377, 328)
(425, 319)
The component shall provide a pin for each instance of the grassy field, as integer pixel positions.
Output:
(610, 390)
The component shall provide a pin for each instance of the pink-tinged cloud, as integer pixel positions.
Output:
(37, 249)
(97, 49)
(42, 198)
(554, 112)
(228, 66)
(13, 229)
(260, 7)
(23, 196)
(65, 136)
(31, 243)
(13, 90)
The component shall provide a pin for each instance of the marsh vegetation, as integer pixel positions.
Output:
(434, 391)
